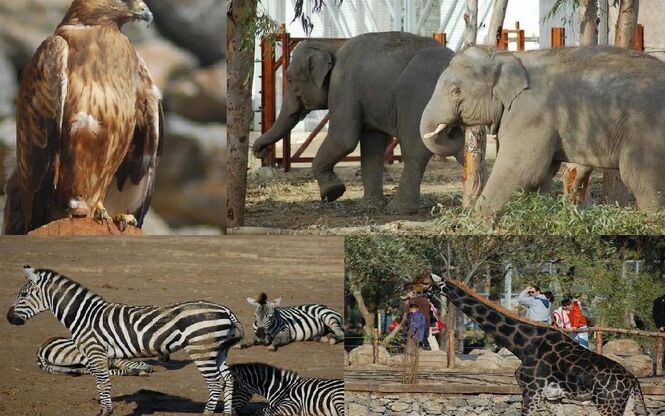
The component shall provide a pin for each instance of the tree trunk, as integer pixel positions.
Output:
(239, 114)
(603, 24)
(614, 191)
(368, 316)
(496, 21)
(475, 138)
(588, 22)
(588, 37)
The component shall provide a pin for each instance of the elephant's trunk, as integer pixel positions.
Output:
(441, 138)
(291, 113)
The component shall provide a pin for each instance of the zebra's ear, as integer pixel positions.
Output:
(30, 273)
(436, 278)
(252, 301)
(277, 301)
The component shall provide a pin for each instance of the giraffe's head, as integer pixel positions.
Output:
(31, 299)
(437, 288)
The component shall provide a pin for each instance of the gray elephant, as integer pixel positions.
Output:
(599, 107)
(376, 86)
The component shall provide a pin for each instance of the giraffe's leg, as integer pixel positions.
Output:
(98, 364)
(283, 337)
(530, 402)
(606, 408)
(205, 359)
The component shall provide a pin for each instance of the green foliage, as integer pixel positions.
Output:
(587, 267)
(538, 214)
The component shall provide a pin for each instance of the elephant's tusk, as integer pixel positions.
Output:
(441, 127)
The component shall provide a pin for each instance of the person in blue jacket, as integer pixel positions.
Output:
(417, 324)
(538, 306)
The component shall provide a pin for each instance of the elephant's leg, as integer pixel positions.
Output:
(415, 157)
(372, 157)
(343, 136)
(545, 186)
(644, 177)
(516, 167)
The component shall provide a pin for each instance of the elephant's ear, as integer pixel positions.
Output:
(511, 78)
(320, 63)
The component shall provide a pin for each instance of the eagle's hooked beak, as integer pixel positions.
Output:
(145, 14)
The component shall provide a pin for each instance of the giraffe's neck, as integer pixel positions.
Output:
(507, 331)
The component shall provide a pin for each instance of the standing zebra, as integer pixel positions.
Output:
(59, 355)
(287, 392)
(102, 331)
(277, 326)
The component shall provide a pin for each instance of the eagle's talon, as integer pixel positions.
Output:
(123, 220)
(100, 214)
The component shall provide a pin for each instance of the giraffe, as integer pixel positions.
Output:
(554, 366)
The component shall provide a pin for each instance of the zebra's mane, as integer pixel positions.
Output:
(49, 275)
(263, 298)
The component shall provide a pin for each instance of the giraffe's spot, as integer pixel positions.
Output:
(494, 317)
(506, 330)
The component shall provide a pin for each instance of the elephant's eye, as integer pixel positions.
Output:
(455, 90)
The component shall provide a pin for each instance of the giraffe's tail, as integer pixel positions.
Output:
(636, 397)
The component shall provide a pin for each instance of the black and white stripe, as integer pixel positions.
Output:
(103, 331)
(277, 326)
(287, 392)
(59, 355)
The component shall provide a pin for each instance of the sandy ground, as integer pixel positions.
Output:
(291, 200)
(159, 271)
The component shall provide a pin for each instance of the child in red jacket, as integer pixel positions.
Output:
(578, 320)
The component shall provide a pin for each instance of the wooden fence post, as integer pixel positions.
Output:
(375, 345)
(639, 37)
(660, 350)
(450, 335)
(599, 342)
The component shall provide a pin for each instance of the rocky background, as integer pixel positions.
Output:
(185, 51)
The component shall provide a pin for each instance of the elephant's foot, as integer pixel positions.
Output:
(398, 206)
(373, 202)
(332, 190)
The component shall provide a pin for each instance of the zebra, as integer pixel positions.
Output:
(277, 326)
(103, 330)
(287, 392)
(59, 355)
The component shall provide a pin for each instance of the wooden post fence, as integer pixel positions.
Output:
(503, 39)
(375, 345)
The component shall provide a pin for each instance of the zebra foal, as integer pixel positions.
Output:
(287, 392)
(102, 331)
(277, 326)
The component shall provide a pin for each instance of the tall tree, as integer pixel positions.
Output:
(241, 18)
(244, 24)
(475, 141)
(496, 21)
(624, 37)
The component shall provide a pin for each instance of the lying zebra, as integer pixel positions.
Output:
(287, 392)
(59, 355)
(103, 331)
(277, 326)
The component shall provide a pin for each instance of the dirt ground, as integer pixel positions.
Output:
(159, 271)
(291, 200)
